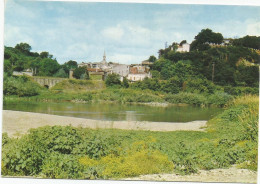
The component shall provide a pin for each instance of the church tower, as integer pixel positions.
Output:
(104, 58)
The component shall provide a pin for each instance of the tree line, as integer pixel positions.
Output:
(20, 58)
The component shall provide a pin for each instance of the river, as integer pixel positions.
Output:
(118, 112)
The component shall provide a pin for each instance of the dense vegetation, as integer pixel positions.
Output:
(67, 152)
(20, 86)
(20, 58)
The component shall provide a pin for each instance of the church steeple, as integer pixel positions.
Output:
(104, 58)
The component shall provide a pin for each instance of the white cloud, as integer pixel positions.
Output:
(127, 58)
(14, 35)
(128, 35)
(113, 33)
(172, 18)
(253, 29)
(19, 9)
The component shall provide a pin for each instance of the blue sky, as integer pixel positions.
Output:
(129, 33)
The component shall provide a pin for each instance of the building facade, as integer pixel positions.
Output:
(184, 48)
(138, 77)
(121, 69)
(138, 73)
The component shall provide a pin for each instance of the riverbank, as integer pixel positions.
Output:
(16, 123)
(124, 96)
(230, 175)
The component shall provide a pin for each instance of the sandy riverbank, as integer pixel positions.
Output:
(232, 175)
(16, 122)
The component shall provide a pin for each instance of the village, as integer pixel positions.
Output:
(133, 72)
(100, 70)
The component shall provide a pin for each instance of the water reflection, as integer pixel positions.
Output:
(118, 112)
(130, 115)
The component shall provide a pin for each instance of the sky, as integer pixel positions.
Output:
(127, 32)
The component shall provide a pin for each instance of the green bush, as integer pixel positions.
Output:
(137, 160)
(188, 98)
(200, 86)
(219, 98)
(184, 159)
(20, 86)
(62, 166)
(239, 91)
(113, 79)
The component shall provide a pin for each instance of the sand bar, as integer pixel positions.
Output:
(17, 122)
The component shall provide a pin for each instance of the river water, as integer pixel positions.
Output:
(118, 112)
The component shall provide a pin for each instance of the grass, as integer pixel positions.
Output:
(72, 85)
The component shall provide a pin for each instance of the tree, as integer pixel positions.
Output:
(152, 59)
(204, 38)
(207, 35)
(248, 41)
(45, 55)
(125, 83)
(23, 47)
(182, 42)
(48, 67)
(78, 72)
(61, 73)
(19, 65)
(69, 65)
(72, 64)
(8, 67)
(113, 79)
(84, 76)
(155, 74)
(161, 53)
(35, 65)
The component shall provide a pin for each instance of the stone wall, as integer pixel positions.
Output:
(47, 82)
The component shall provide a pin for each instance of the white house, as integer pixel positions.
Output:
(138, 77)
(121, 69)
(184, 48)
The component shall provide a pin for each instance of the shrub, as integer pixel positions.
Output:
(78, 72)
(219, 98)
(62, 166)
(184, 159)
(20, 86)
(112, 79)
(136, 161)
(239, 91)
(200, 86)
